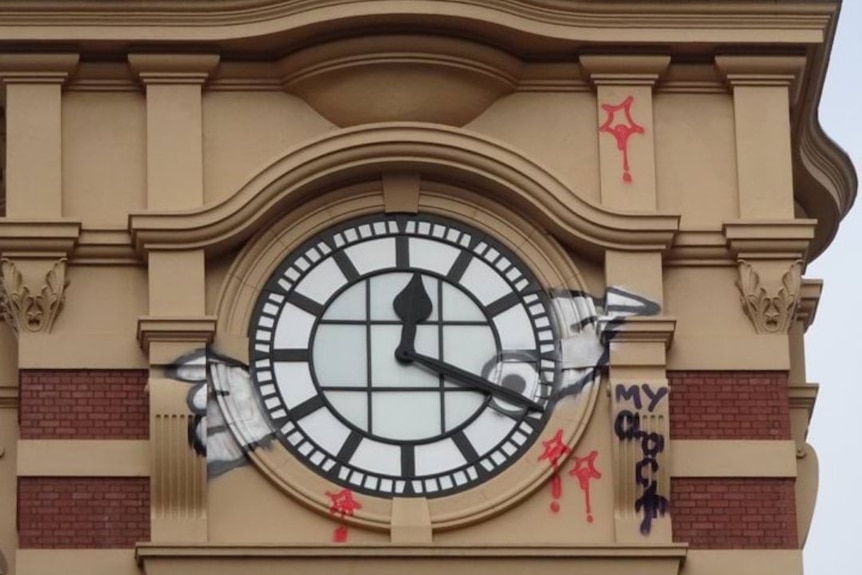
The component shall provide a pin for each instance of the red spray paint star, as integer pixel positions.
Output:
(621, 130)
(343, 504)
(585, 470)
(555, 449)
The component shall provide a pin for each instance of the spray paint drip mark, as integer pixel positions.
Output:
(585, 471)
(621, 130)
(555, 449)
(342, 505)
(556, 491)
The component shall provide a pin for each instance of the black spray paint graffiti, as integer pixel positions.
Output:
(586, 325)
(627, 427)
(229, 420)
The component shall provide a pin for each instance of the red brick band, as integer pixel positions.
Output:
(83, 512)
(732, 513)
(729, 405)
(83, 404)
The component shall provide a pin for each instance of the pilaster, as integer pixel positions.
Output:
(764, 88)
(177, 323)
(33, 84)
(624, 90)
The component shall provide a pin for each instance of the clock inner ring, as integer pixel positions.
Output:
(354, 365)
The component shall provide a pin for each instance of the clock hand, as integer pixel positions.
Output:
(470, 380)
(412, 305)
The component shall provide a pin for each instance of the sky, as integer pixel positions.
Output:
(834, 341)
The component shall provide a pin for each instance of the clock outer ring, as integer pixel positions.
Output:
(354, 223)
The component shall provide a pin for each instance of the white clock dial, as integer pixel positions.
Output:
(404, 355)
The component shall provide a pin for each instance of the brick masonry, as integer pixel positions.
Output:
(83, 404)
(731, 513)
(729, 405)
(83, 512)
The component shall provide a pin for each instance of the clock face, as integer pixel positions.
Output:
(404, 355)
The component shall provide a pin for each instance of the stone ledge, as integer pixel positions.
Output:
(158, 559)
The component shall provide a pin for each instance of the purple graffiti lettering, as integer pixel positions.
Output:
(627, 425)
(651, 443)
(639, 470)
(655, 397)
(632, 393)
(652, 505)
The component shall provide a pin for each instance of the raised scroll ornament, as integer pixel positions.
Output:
(769, 313)
(26, 310)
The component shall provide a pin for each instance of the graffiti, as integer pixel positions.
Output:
(342, 504)
(621, 130)
(628, 427)
(555, 450)
(222, 395)
(586, 325)
(633, 393)
(228, 421)
(585, 471)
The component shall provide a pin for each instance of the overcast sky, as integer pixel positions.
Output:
(834, 342)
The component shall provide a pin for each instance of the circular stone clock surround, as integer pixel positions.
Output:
(545, 259)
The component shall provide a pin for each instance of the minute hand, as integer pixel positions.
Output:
(474, 381)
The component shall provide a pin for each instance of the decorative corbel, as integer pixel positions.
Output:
(769, 313)
(25, 309)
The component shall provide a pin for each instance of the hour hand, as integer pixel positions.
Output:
(412, 305)
(470, 380)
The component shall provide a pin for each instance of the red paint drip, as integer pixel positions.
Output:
(585, 470)
(621, 130)
(556, 491)
(343, 504)
(554, 450)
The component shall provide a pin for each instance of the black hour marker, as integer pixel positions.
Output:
(402, 252)
(346, 266)
(499, 306)
(350, 445)
(408, 461)
(305, 304)
(456, 272)
(464, 446)
(290, 355)
(307, 407)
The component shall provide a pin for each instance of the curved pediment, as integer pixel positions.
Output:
(436, 153)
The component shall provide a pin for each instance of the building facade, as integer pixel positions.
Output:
(391, 286)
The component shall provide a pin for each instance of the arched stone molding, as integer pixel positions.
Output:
(435, 152)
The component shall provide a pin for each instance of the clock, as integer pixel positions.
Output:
(404, 355)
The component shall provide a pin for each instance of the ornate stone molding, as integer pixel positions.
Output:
(441, 153)
(769, 313)
(24, 308)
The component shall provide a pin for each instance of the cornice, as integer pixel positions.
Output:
(825, 181)
(38, 238)
(654, 329)
(770, 239)
(710, 20)
(435, 152)
(173, 68)
(809, 300)
(36, 68)
(175, 329)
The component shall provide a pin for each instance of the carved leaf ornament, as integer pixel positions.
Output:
(25, 310)
(769, 313)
